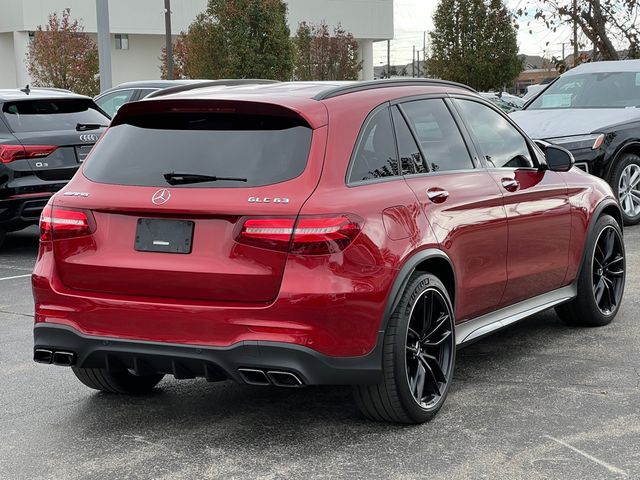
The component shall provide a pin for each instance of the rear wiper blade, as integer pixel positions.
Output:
(174, 178)
(81, 127)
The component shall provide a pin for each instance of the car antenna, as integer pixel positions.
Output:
(26, 90)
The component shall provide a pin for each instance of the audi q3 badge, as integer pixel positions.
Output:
(161, 197)
(89, 137)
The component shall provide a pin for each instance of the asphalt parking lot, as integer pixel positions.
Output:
(538, 400)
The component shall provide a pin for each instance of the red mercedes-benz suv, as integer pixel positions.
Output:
(316, 233)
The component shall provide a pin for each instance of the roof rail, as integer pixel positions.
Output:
(373, 84)
(47, 89)
(212, 83)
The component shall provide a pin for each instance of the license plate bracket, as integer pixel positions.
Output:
(82, 152)
(164, 236)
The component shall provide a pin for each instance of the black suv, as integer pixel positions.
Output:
(44, 136)
(593, 110)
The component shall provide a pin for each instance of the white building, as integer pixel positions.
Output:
(137, 30)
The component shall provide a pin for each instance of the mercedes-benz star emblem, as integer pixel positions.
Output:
(161, 197)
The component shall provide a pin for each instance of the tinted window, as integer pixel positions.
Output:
(591, 90)
(50, 115)
(262, 149)
(376, 153)
(111, 102)
(410, 158)
(145, 92)
(500, 142)
(438, 134)
(3, 127)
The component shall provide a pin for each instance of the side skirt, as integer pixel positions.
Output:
(472, 330)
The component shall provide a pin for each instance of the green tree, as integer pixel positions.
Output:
(323, 56)
(236, 39)
(474, 42)
(61, 55)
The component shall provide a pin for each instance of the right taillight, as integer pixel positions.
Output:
(58, 223)
(310, 235)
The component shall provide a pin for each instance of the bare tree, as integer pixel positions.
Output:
(610, 25)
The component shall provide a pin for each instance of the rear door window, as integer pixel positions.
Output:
(51, 115)
(376, 155)
(438, 134)
(411, 159)
(260, 149)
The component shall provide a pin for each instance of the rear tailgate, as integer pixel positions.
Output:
(71, 149)
(155, 239)
(56, 133)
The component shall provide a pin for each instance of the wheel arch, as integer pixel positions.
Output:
(629, 147)
(431, 260)
(606, 207)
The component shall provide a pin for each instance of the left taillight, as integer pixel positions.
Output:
(10, 153)
(58, 223)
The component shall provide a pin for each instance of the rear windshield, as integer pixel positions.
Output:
(591, 90)
(51, 115)
(261, 150)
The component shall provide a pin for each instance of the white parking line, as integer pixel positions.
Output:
(17, 276)
(611, 468)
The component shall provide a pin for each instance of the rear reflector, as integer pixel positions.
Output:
(59, 223)
(9, 153)
(309, 236)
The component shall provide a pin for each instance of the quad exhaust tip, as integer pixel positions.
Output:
(61, 358)
(278, 378)
(284, 379)
(42, 355)
(253, 376)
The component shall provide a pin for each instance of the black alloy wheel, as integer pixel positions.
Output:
(429, 343)
(600, 283)
(418, 356)
(608, 273)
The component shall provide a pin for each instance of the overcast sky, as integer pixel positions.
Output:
(413, 17)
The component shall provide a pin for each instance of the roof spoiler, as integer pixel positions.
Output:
(212, 83)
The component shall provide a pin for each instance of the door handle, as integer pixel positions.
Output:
(437, 195)
(510, 184)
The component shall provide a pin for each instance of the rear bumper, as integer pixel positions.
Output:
(20, 211)
(212, 363)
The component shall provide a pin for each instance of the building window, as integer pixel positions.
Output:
(32, 36)
(122, 41)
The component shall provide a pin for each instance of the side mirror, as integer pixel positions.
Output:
(558, 159)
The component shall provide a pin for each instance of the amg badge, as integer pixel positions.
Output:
(268, 200)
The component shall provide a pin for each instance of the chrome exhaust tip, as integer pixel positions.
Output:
(284, 379)
(42, 355)
(63, 359)
(251, 376)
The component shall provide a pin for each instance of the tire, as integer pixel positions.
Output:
(601, 280)
(415, 347)
(3, 235)
(122, 382)
(625, 181)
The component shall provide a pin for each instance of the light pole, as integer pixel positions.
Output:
(169, 43)
(104, 44)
